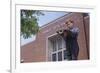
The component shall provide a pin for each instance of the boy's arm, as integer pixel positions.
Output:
(75, 32)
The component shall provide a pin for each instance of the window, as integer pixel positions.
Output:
(59, 43)
(65, 54)
(63, 44)
(60, 56)
(54, 57)
(58, 49)
(54, 45)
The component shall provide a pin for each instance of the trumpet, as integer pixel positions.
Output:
(59, 31)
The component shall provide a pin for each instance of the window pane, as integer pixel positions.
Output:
(63, 43)
(54, 45)
(59, 56)
(54, 57)
(59, 43)
(65, 54)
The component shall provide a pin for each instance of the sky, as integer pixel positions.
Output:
(43, 20)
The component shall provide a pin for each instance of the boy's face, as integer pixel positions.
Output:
(69, 24)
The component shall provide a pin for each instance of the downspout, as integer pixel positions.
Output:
(86, 37)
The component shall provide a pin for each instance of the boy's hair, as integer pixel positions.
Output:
(69, 21)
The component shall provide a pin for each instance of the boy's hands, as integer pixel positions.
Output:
(59, 31)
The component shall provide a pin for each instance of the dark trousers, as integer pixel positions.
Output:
(71, 54)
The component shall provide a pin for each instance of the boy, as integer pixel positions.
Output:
(70, 37)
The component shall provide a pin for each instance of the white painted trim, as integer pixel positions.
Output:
(47, 44)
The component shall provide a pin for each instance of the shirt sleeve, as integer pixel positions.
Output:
(75, 32)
